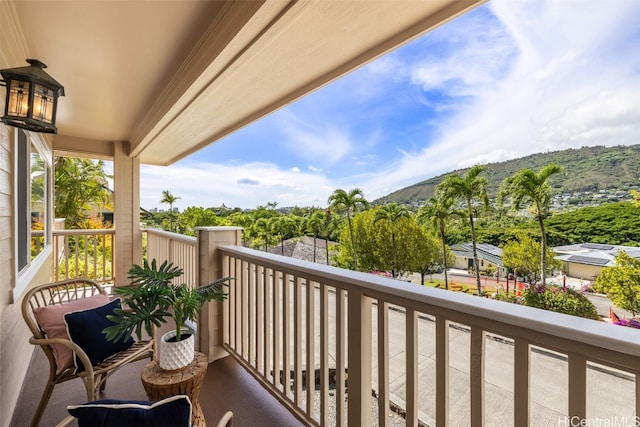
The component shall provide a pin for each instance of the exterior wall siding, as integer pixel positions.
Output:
(582, 271)
(15, 351)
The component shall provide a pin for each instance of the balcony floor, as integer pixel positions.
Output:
(227, 387)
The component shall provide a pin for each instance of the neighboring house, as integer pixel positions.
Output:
(586, 260)
(489, 256)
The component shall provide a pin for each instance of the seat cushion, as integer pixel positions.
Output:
(85, 329)
(51, 321)
(173, 411)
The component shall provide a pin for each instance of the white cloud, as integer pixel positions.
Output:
(245, 186)
(531, 75)
(323, 141)
(565, 90)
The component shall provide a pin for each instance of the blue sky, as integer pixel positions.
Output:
(508, 79)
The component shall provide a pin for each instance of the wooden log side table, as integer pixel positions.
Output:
(160, 384)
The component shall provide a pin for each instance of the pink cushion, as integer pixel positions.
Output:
(51, 320)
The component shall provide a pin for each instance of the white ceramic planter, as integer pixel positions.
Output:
(176, 355)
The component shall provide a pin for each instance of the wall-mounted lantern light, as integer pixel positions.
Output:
(32, 98)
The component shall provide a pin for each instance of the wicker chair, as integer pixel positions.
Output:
(94, 377)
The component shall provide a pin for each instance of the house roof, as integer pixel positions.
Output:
(170, 77)
(302, 248)
(487, 252)
(596, 254)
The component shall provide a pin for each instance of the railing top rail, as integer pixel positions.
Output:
(169, 235)
(84, 232)
(576, 329)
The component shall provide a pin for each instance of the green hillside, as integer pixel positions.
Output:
(587, 169)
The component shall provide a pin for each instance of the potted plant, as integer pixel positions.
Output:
(153, 298)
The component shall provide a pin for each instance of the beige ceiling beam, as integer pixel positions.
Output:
(277, 54)
(71, 146)
(209, 55)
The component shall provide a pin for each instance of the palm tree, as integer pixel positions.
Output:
(438, 211)
(469, 188)
(170, 199)
(349, 203)
(313, 225)
(261, 229)
(78, 184)
(330, 223)
(527, 186)
(392, 213)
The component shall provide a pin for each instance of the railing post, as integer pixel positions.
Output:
(359, 358)
(209, 268)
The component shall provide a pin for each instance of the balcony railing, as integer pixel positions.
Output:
(174, 248)
(307, 331)
(84, 253)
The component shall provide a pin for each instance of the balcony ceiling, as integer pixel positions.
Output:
(171, 77)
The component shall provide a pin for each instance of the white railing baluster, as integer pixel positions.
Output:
(251, 298)
(324, 354)
(442, 371)
(341, 349)
(577, 386)
(521, 372)
(411, 369)
(297, 340)
(261, 330)
(286, 326)
(311, 352)
(359, 357)
(383, 364)
(476, 377)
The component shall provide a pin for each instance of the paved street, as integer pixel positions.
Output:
(609, 393)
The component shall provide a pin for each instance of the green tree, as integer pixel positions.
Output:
(241, 219)
(261, 228)
(469, 188)
(427, 257)
(621, 282)
(527, 186)
(169, 199)
(348, 203)
(313, 225)
(193, 217)
(79, 183)
(437, 211)
(376, 249)
(522, 256)
(392, 213)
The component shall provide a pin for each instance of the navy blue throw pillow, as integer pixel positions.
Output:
(173, 411)
(85, 329)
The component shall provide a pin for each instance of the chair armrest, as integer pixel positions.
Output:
(75, 348)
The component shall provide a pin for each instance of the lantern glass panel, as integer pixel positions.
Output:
(18, 99)
(42, 103)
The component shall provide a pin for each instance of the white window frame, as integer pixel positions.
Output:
(27, 274)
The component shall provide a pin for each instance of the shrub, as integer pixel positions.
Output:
(555, 298)
(503, 296)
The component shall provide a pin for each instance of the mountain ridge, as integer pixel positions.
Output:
(586, 169)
